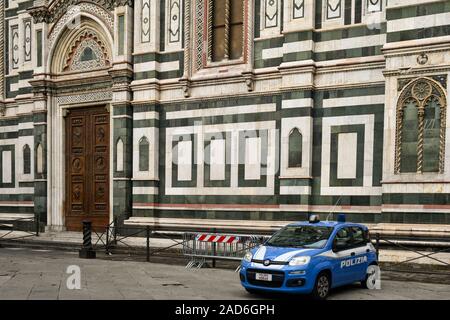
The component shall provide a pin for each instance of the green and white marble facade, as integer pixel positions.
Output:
(218, 135)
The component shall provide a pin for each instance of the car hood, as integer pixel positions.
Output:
(282, 254)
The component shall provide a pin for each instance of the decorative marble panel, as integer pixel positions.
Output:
(144, 154)
(39, 159)
(121, 34)
(374, 5)
(334, 8)
(119, 155)
(217, 159)
(73, 12)
(15, 47)
(145, 21)
(27, 40)
(174, 21)
(26, 158)
(271, 13)
(298, 9)
(347, 155)
(253, 158)
(184, 151)
(6, 167)
(87, 53)
(199, 19)
(88, 56)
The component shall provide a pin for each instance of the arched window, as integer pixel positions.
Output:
(410, 136)
(431, 135)
(226, 29)
(26, 159)
(295, 149)
(144, 153)
(420, 135)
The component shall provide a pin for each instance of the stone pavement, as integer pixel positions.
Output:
(41, 274)
(73, 240)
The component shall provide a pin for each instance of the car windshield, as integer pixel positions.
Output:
(301, 236)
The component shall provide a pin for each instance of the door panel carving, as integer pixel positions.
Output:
(87, 172)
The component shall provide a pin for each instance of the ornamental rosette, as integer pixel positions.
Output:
(421, 90)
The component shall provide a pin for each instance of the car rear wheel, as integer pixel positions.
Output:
(370, 277)
(322, 286)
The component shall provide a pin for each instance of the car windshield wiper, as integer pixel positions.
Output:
(285, 245)
(271, 245)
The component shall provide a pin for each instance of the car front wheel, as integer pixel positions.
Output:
(251, 291)
(322, 286)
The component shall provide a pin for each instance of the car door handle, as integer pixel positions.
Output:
(352, 254)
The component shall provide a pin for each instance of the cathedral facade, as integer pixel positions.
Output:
(248, 110)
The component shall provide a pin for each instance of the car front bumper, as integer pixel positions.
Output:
(283, 280)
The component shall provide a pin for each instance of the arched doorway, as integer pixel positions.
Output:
(79, 123)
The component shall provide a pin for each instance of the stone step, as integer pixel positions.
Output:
(399, 231)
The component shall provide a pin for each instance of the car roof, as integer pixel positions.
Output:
(332, 224)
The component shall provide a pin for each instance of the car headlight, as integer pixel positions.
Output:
(248, 257)
(300, 261)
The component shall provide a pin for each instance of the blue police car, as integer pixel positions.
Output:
(310, 257)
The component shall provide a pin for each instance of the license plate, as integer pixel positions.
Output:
(264, 276)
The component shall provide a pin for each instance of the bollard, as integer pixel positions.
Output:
(107, 240)
(87, 252)
(377, 244)
(214, 250)
(148, 243)
(115, 230)
(38, 224)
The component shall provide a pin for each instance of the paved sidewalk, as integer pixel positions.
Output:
(41, 274)
(74, 239)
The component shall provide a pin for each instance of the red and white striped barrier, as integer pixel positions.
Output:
(217, 238)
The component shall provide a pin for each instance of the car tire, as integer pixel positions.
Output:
(322, 286)
(251, 291)
(364, 282)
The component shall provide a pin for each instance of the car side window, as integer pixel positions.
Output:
(343, 238)
(358, 238)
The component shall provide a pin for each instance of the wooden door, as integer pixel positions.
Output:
(87, 168)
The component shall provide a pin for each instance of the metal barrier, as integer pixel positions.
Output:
(10, 226)
(198, 247)
(115, 237)
(202, 246)
(380, 240)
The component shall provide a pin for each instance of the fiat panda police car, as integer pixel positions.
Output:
(310, 257)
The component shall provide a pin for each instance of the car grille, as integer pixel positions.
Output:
(277, 278)
(280, 263)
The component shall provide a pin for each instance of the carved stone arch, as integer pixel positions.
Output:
(66, 53)
(420, 91)
(57, 8)
(87, 40)
(73, 14)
